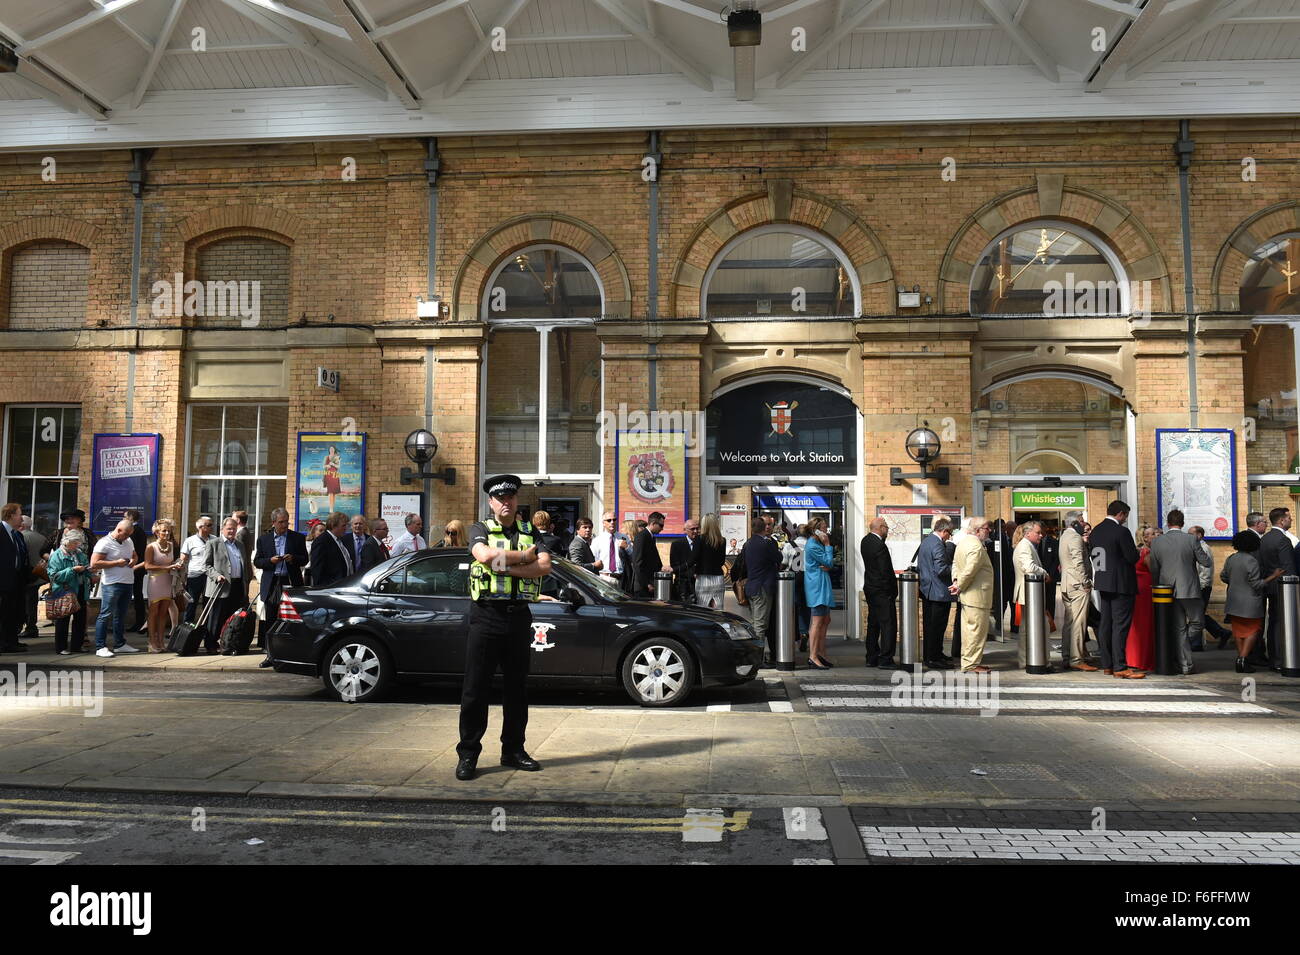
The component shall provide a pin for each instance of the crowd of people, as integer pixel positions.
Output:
(1103, 575)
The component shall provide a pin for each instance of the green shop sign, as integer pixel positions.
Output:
(1067, 498)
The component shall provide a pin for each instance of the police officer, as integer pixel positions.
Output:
(509, 561)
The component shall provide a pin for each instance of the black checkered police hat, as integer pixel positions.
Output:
(500, 485)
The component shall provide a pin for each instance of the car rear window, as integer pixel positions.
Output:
(437, 577)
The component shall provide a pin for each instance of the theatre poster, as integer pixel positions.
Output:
(652, 476)
(1196, 473)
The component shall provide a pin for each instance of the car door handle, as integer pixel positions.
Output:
(385, 612)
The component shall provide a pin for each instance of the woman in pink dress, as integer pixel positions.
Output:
(333, 460)
(1140, 653)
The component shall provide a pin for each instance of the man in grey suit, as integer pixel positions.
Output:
(1173, 559)
(1076, 594)
(1275, 553)
(229, 571)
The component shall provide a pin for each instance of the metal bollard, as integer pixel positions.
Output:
(908, 624)
(785, 621)
(1035, 624)
(1289, 639)
(1167, 638)
(663, 585)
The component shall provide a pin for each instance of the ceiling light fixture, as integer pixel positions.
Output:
(744, 27)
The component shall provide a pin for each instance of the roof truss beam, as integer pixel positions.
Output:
(306, 19)
(89, 19)
(374, 55)
(1124, 9)
(836, 35)
(1114, 59)
(1028, 45)
(309, 46)
(156, 54)
(380, 33)
(482, 48)
(131, 31)
(1193, 31)
(694, 73)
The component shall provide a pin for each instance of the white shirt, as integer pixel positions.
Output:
(117, 550)
(600, 550)
(195, 546)
(406, 541)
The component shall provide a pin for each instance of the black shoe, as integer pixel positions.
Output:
(938, 665)
(889, 665)
(814, 666)
(265, 663)
(16, 648)
(872, 661)
(520, 760)
(29, 635)
(1241, 666)
(826, 664)
(467, 768)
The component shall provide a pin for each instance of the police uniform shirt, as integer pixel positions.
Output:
(478, 533)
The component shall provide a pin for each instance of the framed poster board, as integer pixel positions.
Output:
(652, 476)
(1196, 472)
(908, 525)
(393, 508)
(331, 475)
(124, 475)
(734, 519)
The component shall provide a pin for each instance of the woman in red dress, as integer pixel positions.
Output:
(332, 462)
(1140, 653)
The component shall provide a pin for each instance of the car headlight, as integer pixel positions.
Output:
(738, 631)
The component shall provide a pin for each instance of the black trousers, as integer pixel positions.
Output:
(934, 621)
(78, 635)
(32, 594)
(882, 627)
(194, 586)
(1112, 635)
(13, 609)
(499, 636)
(956, 636)
(272, 604)
(137, 598)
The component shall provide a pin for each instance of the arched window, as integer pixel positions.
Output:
(780, 270)
(244, 277)
(542, 375)
(1270, 284)
(48, 283)
(1047, 268)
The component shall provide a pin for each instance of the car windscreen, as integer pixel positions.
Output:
(600, 585)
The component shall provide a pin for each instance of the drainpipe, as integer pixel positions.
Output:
(136, 178)
(1183, 148)
(432, 164)
(652, 304)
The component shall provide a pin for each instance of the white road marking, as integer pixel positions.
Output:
(39, 856)
(1128, 688)
(718, 708)
(1194, 708)
(99, 831)
(781, 706)
(702, 825)
(804, 823)
(812, 861)
(1082, 845)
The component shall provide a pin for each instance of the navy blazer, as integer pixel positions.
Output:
(934, 565)
(762, 563)
(328, 565)
(295, 545)
(878, 575)
(371, 553)
(1114, 558)
(1275, 551)
(12, 577)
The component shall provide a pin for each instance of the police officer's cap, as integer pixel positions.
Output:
(501, 484)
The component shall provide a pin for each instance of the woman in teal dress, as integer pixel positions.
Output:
(818, 560)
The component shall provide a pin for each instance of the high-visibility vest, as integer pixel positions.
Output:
(487, 584)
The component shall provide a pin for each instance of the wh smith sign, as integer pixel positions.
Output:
(1064, 498)
(798, 502)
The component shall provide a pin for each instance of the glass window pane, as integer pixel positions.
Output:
(269, 495)
(392, 584)
(205, 498)
(512, 394)
(205, 438)
(70, 460)
(273, 441)
(45, 455)
(779, 273)
(1266, 286)
(20, 440)
(239, 451)
(1012, 276)
(545, 283)
(20, 491)
(573, 401)
(45, 509)
(438, 577)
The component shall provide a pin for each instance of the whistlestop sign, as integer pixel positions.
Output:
(1065, 498)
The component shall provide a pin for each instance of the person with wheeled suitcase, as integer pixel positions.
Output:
(185, 637)
(227, 579)
(237, 633)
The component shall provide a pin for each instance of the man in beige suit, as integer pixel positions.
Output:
(1025, 560)
(972, 582)
(1076, 594)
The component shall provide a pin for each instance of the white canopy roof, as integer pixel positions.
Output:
(153, 72)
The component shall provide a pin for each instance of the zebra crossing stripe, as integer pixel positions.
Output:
(781, 706)
(804, 823)
(1189, 707)
(718, 708)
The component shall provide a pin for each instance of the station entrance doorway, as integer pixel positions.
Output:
(1044, 498)
(789, 447)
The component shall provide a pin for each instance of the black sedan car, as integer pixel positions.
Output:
(407, 620)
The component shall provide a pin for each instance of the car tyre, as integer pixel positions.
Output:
(357, 669)
(659, 671)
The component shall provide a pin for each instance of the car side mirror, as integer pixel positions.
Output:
(572, 596)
